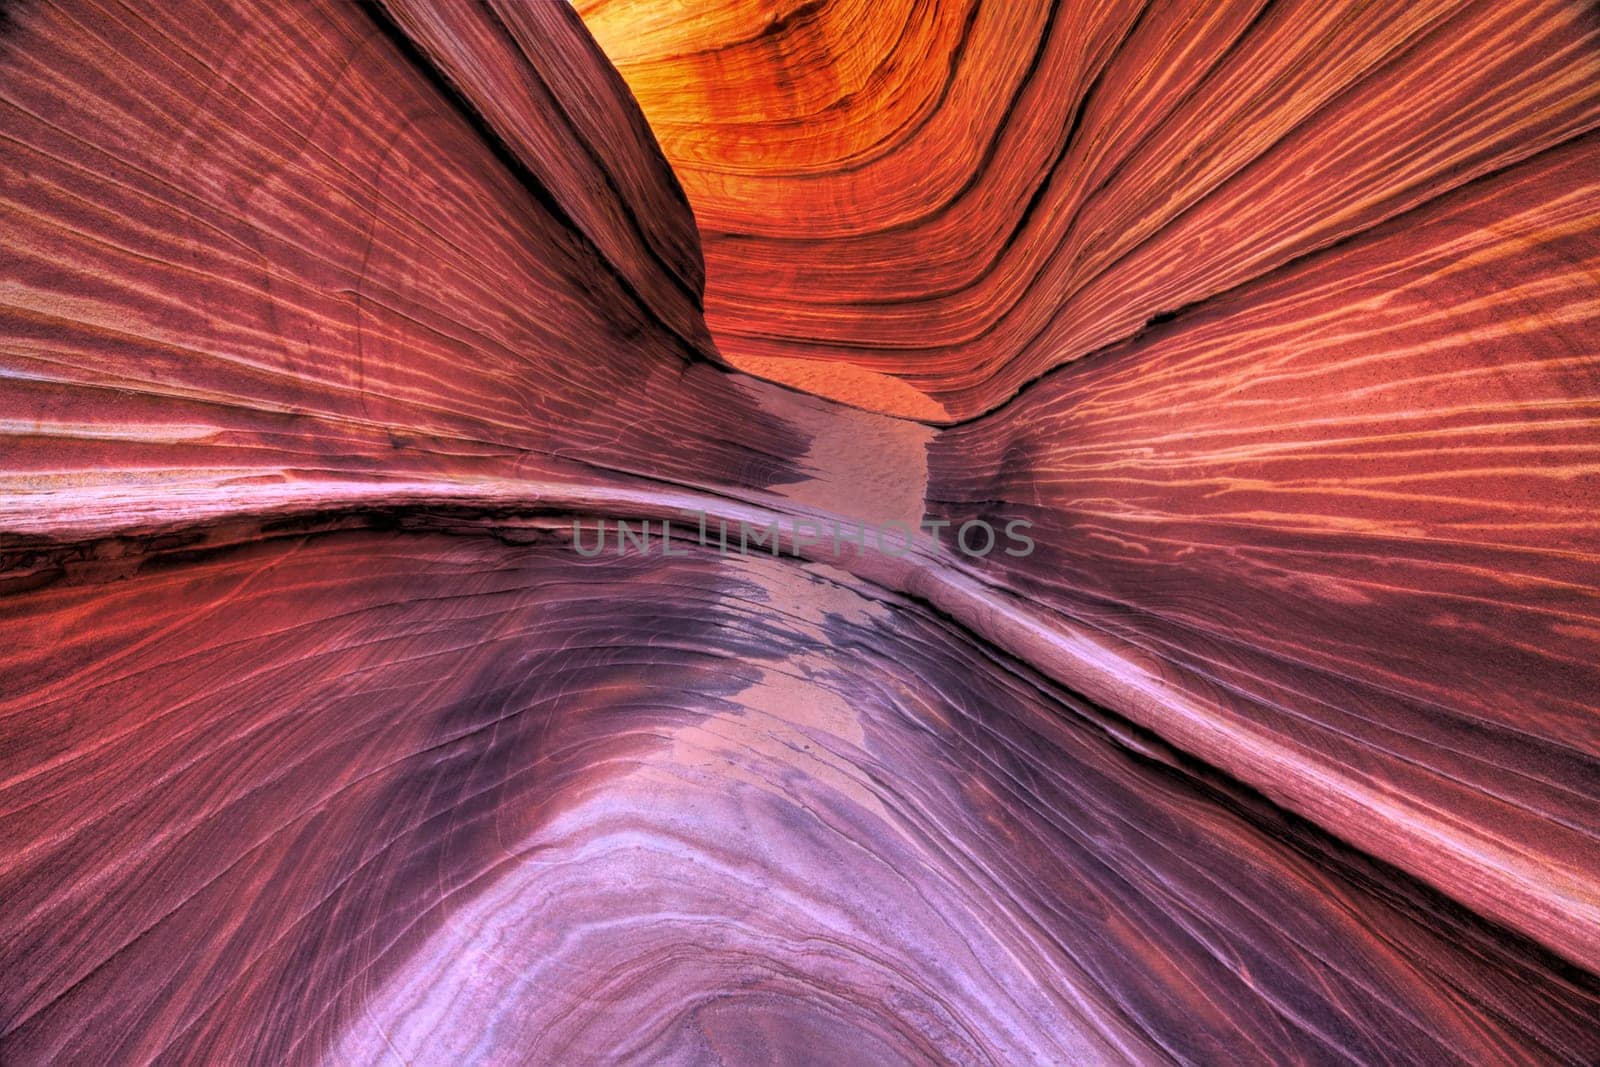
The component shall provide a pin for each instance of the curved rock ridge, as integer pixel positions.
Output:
(328, 328)
(957, 197)
(453, 798)
(1364, 539)
(273, 251)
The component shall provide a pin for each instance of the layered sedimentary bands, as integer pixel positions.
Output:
(1276, 324)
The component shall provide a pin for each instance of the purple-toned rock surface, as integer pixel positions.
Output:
(322, 739)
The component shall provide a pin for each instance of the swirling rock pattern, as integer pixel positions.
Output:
(958, 197)
(321, 742)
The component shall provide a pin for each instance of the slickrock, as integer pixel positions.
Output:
(329, 331)
(962, 195)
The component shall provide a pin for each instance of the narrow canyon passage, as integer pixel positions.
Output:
(330, 328)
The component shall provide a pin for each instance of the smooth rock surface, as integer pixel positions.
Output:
(321, 324)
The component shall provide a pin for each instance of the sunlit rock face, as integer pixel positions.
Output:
(921, 207)
(325, 739)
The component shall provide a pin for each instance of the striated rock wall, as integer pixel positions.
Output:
(963, 195)
(322, 323)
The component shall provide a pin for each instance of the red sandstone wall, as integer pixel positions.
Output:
(320, 323)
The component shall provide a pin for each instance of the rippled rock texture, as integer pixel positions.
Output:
(322, 741)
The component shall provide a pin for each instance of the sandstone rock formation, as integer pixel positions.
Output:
(321, 741)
